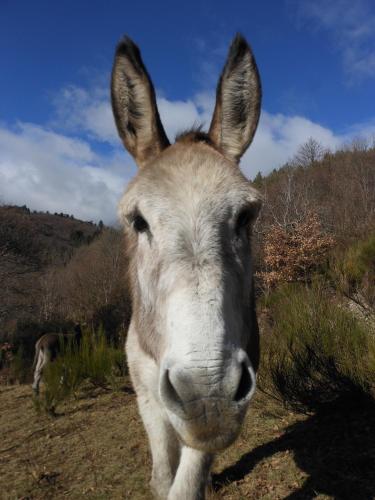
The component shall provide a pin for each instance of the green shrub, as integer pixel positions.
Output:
(99, 360)
(316, 353)
(94, 361)
(353, 271)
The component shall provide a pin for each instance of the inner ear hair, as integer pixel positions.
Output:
(134, 105)
(238, 101)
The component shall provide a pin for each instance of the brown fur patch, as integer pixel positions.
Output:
(196, 135)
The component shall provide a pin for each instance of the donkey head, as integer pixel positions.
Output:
(188, 216)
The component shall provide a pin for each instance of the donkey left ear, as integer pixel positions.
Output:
(238, 100)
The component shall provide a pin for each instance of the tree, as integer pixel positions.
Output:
(309, 153)
(93, 284)
(258, 180)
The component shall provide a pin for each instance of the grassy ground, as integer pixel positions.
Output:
(96, 448)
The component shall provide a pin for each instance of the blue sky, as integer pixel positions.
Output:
(58, 147)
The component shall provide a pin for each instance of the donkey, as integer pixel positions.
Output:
(193, 342)
(48, 347)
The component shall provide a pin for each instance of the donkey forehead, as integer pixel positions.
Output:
(189, 179)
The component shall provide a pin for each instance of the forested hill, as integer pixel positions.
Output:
(338, 187)
(41, 238)
(31, 244)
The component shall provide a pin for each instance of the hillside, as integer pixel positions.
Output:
(49, 236)
(339, 187)
(278, 455)
(30, 243)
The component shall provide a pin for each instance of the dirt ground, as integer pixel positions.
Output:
(96, 448)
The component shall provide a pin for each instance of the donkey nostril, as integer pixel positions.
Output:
(245, 385)
(169, 387)
(169, 393)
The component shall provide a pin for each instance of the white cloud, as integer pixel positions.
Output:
(177, 116)
(86, 111)
(278, 138)
(49, 170)
(352, 27)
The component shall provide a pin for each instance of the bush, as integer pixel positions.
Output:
(317, 353)
(294, 253)
(353, 271)
(94, 361)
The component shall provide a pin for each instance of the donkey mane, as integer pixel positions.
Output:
(195, 134)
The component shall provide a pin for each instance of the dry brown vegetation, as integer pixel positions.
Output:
(52, 279)
(293, 253)
(30, 244)
(339, 188)
(91, 287)
(97, 449)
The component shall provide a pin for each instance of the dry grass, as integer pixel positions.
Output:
(96, 448)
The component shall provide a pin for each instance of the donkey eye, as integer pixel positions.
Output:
(140, 224)
(243, 220)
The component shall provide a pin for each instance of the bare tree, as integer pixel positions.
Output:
(95, 279)
(308, 153)
(286, 202)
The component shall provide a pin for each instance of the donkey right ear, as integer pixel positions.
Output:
(134, 105)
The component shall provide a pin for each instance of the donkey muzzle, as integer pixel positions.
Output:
(206, 399)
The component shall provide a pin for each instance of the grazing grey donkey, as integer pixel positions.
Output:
(48, 347)
(193, 345)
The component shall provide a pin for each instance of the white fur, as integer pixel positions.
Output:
(192, 295)
(42, 359)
